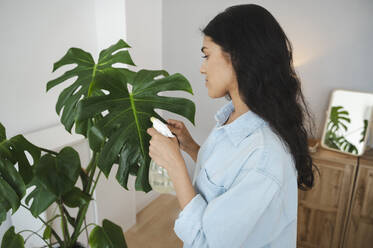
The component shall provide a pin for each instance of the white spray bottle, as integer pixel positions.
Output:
(158, 177)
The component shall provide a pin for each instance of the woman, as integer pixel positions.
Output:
(256, 157)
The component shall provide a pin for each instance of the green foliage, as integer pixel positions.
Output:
(42, 198)
(47, 232)
(14, 150)
(129, 116)
(12, 240)
(2, 133)
(337, 121)
(76, 198)
(12, 182)
(109, 235)
(364, 132)
(58, 174)
(113, 119)
(86, 71)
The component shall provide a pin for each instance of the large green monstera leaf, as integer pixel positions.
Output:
(338, 119)
(123, 129)
(11, 239)
(86, 72)
(109, 235)
(55, 177)
(12, 182)
(14, 150)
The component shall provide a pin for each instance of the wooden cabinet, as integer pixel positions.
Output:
(323, 211)
(359, 231)
(338, 211)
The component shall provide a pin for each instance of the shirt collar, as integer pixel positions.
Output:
(241, 127)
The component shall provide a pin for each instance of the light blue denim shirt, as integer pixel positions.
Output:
(246, 186)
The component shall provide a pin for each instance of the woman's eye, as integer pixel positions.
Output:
(204, 56)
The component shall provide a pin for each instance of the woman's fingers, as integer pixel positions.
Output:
(174, 130)
(175, 123)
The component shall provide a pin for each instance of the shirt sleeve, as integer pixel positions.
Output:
(231, 219)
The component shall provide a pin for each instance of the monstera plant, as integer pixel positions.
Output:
(111, 107)
(337, 126)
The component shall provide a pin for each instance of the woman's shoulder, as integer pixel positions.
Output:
(269, 155)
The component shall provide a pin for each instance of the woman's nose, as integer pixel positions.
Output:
(202, 69)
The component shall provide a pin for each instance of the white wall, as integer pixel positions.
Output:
(332, 42)
(144, 32)
(34, 35)
(110, 22)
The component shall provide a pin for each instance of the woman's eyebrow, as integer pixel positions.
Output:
(203, 48)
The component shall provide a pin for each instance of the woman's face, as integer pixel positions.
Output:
(218, 69)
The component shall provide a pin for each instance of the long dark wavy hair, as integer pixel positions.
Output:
(261, 56)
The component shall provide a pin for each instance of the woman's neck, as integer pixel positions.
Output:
(240, 107)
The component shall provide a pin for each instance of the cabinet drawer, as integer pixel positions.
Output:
(322, 211)
(360, 224)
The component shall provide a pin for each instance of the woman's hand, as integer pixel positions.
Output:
(186, 141)
(164, 150)
(166, 153)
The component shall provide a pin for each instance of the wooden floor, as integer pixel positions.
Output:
(155, 223)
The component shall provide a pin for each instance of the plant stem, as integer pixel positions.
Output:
(45, 223)
(85, 228)
(50, 244)
(34, 233)
(65, 230)
(88, 168)
(83, 210)
(81, 214)
(91, 84)
(51, 220)
(55, 217)
(95, 181)
(70, 219)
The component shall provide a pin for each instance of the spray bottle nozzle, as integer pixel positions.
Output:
(161, 127)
